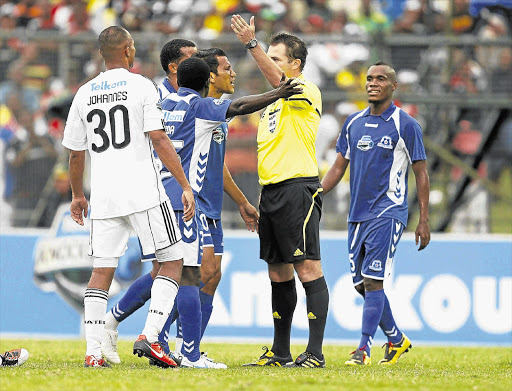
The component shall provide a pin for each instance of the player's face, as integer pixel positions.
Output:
(278, 54)
(379, 84)
(225, 77)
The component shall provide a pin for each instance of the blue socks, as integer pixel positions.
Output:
(189, 308)
(206, 310)
(134, 298)
(388, 325)
(372, 314)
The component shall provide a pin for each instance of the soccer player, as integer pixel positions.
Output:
(379, 142)
(291, 198)
(171, 55)
(191, 120)
(117, 117)
(209, 200)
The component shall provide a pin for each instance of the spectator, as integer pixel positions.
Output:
(17, 84)
(461, 21)
(61, 193)
(370, 19)
(31, 158)
(501, 77)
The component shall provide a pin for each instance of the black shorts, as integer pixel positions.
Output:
(289, 222)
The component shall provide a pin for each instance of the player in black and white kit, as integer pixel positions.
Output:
(117, 117)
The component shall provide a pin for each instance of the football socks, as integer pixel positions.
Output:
(372, 313)
(95, 305)
(284, 301)
(163, 293)
(206, 310)
(388, 325)
(317, 302)
(135, 297)
(189, 307)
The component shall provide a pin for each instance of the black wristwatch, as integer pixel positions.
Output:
(252, 44)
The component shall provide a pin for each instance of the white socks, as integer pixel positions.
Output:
(95, 305)
(110, 322)
(163, 294)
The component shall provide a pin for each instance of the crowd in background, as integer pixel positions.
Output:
(38, 78)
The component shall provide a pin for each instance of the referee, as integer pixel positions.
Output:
(291, 199)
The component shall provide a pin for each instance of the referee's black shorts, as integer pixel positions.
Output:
(289, 222)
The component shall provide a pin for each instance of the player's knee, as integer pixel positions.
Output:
(155, 269)
(191, 276)
(372, 285)
(360, 289)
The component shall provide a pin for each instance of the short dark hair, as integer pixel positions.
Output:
(171, 52)
(193, 73)
(391, 69)
(112, 38)
(209, 56)
(295, 47)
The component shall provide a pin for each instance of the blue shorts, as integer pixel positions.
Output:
(190, 238)
(211, 233)
(371, 248)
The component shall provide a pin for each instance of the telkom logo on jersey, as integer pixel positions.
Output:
(174, 116)
(365, 143)
(105, 85)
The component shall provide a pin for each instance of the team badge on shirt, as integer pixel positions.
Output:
(218, 135)
(365, 143)
(385, 142)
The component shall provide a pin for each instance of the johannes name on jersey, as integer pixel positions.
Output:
(110, 97)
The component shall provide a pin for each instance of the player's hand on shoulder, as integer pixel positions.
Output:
(422, 234)
(79, 208)
(189, 204)
(289, 87)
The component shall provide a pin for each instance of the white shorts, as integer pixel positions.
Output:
(189, 233)
(155, 227)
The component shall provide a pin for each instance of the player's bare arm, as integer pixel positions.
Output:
(245, 33)
(335, 173)
(79, 206)
(423, 187)
(248, 212)
(167, 154)
(250, 104)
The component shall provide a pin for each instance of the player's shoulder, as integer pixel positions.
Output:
(407, 121)
(144, 80)
(351, 118)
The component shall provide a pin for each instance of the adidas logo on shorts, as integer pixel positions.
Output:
(298, 253)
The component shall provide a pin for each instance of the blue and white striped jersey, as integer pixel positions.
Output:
(190, 121)
(380, 149)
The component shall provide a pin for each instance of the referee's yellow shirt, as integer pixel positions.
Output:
(287, 134)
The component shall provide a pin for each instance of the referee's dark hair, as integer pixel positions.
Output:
(171, 52)
(193, 73)
(295, 47)
(209, 56)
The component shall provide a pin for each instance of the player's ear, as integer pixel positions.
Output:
(173, 67)
(395, 84)
(212, 77)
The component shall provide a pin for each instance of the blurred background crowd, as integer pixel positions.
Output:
(453, 60)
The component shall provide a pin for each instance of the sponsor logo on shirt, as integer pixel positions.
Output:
(174, 116)
(218, 101)
(365, 143)
(376, 265)
(218, 135)
(366, 124)
(385, 142)
(105, 85)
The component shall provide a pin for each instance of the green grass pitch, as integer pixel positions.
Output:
(58, 365)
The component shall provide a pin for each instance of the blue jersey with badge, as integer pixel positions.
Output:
(209, 200)
(190, 121)
(380, 149)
